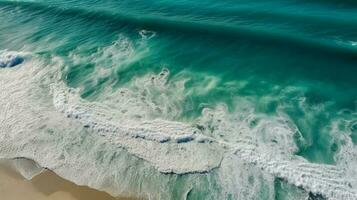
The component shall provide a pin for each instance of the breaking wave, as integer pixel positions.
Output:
(232, 154)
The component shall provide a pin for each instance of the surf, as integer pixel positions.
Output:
(190, 107)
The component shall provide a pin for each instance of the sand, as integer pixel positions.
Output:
(46, 186)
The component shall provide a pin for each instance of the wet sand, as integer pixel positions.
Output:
(46, 186)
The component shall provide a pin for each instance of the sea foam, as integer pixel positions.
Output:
(91, 144)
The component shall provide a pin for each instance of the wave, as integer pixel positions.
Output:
(138, 137)
(91, 144)
(309, 31)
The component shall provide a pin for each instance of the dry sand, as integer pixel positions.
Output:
(46, 186)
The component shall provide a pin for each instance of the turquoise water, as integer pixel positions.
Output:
(291, 59)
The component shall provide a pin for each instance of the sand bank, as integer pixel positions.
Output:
(46, 186)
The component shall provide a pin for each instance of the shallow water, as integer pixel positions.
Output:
(46, 186)
(184, 99)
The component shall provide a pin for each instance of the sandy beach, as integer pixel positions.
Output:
(46, 186)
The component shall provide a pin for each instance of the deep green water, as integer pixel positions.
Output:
(291, 58)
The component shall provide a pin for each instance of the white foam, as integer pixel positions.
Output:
(113, 58)
(255, 146)
(31, 127)
(138, 135)
(57, 129)
(147, 97)
(268, 144)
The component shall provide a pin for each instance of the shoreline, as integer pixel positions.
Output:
(46, 186)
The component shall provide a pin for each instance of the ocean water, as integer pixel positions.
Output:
(171, 100)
